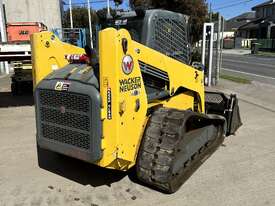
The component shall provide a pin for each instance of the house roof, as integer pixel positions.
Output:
(253, 24)
(235, 22)
(267, 3)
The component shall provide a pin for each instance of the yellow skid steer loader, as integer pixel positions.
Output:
(137, 103)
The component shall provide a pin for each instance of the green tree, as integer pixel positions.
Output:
(196, 9)
(80, 18)
(102, 13)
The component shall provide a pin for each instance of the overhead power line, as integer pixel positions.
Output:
(232, 5)
(91, 2)
(221, 4)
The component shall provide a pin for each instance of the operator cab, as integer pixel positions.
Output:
(161, 30)
(126, 20)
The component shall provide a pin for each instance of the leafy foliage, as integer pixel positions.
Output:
(80, 18)
(102, 13)
(196, 9)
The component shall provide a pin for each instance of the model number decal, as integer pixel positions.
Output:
(109, 103)
(130, 84)
(62, 86)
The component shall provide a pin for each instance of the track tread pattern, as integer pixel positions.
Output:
(159, 148)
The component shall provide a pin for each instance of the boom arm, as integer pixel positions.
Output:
(48, 54)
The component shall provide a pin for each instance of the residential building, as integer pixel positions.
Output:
(231, 27)
(233, 24)
(263, 26)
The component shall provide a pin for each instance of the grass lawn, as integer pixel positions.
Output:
(236, 79)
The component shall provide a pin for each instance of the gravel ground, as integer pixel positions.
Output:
(240, 173)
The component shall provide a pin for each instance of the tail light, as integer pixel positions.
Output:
(77, 58)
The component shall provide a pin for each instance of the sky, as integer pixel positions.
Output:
(228, 8)
(233, 8)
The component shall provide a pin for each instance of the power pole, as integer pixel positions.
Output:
(90, 24)
(108, 8)
(4, 67)
(210, 12)
(222, 42)
(71, 14)
(218, 49)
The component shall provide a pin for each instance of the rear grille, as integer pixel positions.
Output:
(70, 101)
(65, 118)
(68, 119)
(66, 136)
(171, 38)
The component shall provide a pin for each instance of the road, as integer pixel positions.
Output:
(255, 68)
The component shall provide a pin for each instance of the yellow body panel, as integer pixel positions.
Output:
(184, 100)
(48, 54)
(123, 133)
(123, 128)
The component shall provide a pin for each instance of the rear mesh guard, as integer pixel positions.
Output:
(72, 127)
(218, 103)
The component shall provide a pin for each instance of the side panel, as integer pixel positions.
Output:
(124, 110)
(48, 54)
(124, 99)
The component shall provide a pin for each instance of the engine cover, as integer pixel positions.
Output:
(68, 113)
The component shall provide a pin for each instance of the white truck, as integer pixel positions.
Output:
(19, 58)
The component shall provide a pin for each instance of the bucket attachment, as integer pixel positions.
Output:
(218, 103)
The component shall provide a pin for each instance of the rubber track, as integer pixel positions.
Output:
(159, 148)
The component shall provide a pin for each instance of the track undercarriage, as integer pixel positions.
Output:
(175, 144)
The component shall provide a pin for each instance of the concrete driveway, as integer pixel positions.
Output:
(241, 172)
